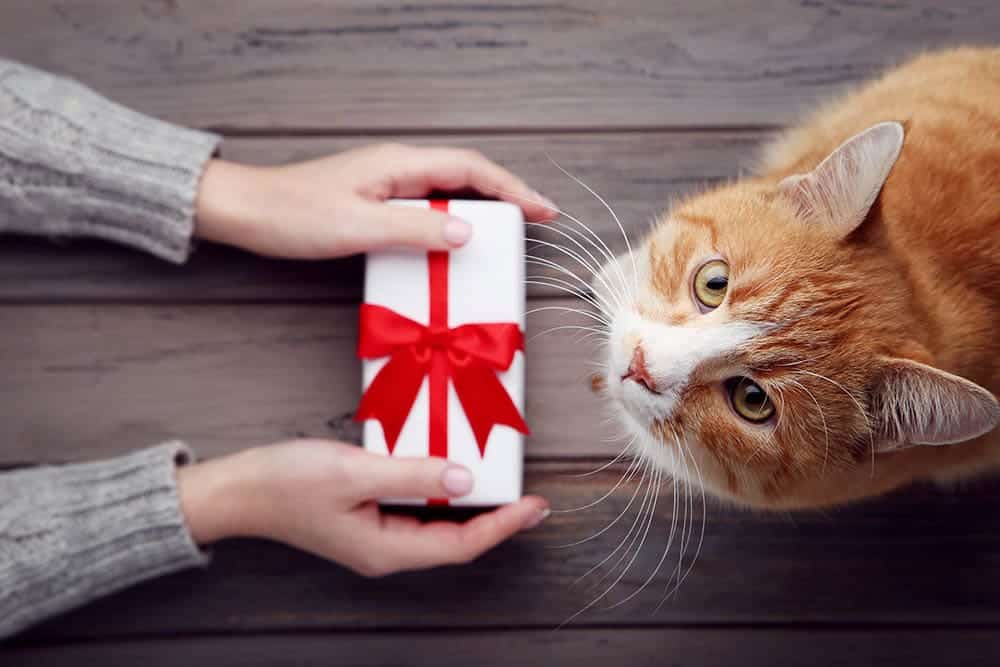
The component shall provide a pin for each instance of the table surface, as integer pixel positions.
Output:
(105, 350)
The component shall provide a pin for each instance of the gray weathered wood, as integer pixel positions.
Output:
(80, 382)
(638, 174)
(481, 64)
(921, 557)
(705, 647)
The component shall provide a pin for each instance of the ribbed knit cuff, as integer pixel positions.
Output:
(73, 163)
(70, 534)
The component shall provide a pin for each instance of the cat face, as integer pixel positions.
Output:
(758, 352)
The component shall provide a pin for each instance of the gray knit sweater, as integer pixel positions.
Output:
(74, 164)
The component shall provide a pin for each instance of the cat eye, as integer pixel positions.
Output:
(711, 282)
(749, 400)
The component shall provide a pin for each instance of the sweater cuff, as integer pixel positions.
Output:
(91, 167)
(70, 534)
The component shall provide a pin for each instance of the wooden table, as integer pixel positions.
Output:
(105, 350)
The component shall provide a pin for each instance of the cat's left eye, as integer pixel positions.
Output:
(711, 283)
(749, 400)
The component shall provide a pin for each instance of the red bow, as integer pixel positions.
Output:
(472, 354)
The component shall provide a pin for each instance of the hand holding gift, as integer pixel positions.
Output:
(319, 496)
(335, 206)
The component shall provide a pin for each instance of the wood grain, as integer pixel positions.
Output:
(637, 173)
(356, 66)
(81, 382)
(921, 557)
(705, 647)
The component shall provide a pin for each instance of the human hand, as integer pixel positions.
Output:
(334, 206)
(319, 496)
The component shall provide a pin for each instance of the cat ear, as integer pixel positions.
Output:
(841, 190)
(917, 404)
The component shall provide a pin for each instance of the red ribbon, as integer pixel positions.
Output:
(469, 356)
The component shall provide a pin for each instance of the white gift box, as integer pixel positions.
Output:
(485, 284)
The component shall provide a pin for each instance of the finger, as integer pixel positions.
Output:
(419, 546)
(411, 226)
(386, 476)
(455, 169)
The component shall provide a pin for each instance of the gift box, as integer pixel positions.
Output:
(441, 336)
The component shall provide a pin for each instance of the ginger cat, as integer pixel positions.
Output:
(828, 329)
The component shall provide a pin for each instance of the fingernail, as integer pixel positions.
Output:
(457, 232)
(457, 481)
(546, 202)
(537, 518)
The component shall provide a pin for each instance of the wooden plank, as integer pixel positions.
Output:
(479, 64)
(637, 173)
(82, 382)
(926, 557)
(706, 647)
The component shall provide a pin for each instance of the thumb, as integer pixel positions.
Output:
(421, 477)
(417, 227)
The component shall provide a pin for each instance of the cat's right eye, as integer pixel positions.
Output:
(749, 400)
(711, 283)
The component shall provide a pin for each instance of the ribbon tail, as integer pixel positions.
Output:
(390, 396)
(485, 401)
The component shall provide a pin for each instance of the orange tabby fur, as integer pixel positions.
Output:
(919, 279)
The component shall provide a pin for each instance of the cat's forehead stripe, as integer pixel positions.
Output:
(701, 221)
(670, 259)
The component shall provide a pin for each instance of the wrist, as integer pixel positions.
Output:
(228, 203)
(216, 497)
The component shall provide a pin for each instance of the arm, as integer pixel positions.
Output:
(73, 163)
(70, 534)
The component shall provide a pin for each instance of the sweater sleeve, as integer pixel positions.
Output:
(70, 534)
(73, 163)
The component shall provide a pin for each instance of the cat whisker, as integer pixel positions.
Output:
(659, 563)
(595, 269)
(621, 227)
(636, 523)
(647, 523)
(593, 503)
(594, 332)
(685, 518)
(602, 335)
(614, 521)
(599, 245)
(641, 518)
(548, 263)
(826, 431)
(701, 536)
(644, 469)
(624, 452)
(567, 309)
(622, 291)
(557, 283)
(566, 215)
(575, 256)
(861, 409)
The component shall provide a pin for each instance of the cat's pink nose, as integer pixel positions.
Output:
(637, 371)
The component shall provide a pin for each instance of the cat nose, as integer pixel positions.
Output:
(637, 371)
